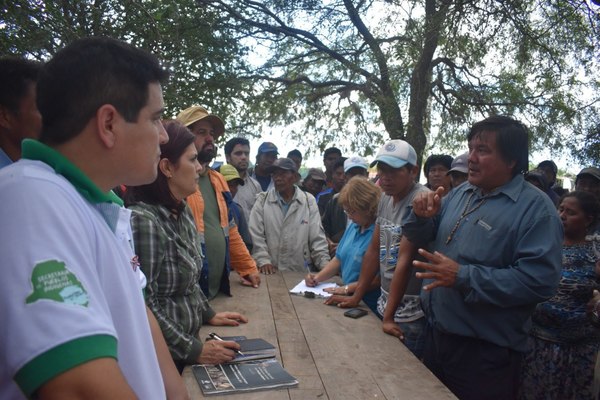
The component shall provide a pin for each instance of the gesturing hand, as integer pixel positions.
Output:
(427, 204)
(442, 270)
(227, 318)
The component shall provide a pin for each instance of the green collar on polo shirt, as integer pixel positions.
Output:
(34, 150)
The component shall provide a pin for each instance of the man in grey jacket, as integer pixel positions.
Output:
(285, 225)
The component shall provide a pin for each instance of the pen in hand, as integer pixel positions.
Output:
(220, 339)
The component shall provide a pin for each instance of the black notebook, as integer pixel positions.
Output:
(242, 377)
(252, 349)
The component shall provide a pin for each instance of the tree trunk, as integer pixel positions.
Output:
(420, 83)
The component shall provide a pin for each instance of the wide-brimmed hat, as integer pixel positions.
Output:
(195, 113)
(396, 153)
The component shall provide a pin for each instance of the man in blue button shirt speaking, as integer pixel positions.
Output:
(496, 253)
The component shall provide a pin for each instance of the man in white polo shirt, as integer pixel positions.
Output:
(74, 323)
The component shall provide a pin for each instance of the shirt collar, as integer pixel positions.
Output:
(4, 159)
(512, 188)
(34, 150)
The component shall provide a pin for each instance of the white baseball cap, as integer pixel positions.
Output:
(355, 161)
(396, 153)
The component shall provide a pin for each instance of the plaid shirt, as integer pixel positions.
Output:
(169, 252)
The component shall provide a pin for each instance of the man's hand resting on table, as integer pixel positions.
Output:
(268, 269)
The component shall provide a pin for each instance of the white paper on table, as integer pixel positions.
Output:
(301, 288)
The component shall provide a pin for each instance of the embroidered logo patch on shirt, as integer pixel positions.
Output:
(52, 280)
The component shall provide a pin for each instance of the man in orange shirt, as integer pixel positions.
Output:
(210, 207)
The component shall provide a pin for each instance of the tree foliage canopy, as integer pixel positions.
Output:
(205, 60)
(420, 69)
(356, 72)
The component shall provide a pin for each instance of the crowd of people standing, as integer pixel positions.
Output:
(489, 273)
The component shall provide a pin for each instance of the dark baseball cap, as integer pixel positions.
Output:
(267, 147)
(285, 164)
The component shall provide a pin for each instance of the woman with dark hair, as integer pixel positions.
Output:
(564, 340)
(168, 247)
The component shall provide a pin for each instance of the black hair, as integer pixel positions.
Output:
(512, 139)
(158, 192)
(293, 153)
(231, 143)
(16, 74)
(437, 159)
(588, 203)
(332, 150)
(339, 163)
(87, 74)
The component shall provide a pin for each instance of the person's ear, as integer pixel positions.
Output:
(5, 117)
(590, 219)
(107, 124)
(414, 171)
(166, 167)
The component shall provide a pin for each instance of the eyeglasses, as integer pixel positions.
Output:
(349, 212)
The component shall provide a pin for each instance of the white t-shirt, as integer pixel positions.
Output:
(69, 292)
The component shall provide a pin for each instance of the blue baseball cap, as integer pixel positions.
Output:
(267, 147)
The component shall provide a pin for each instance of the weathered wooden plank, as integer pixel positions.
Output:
(356, 359)
(332, 356)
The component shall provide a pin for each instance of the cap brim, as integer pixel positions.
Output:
(271, 169)
(363, 167)
(461, 170)
(240, 181)
(389, 160)
(593, 175)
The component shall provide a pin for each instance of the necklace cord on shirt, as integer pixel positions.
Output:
(465, 212)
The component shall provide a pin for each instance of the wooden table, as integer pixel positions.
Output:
(332, 356)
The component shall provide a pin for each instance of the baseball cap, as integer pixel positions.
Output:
(196, 113)
(230, 173)
(316, 174)
(355, 161)
(537, 175)
(548, 164)
(592, 171)
(283, 163)
(396, 153)
(460, 164)
(267, 147)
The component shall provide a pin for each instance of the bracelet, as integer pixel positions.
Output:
(346, 289)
